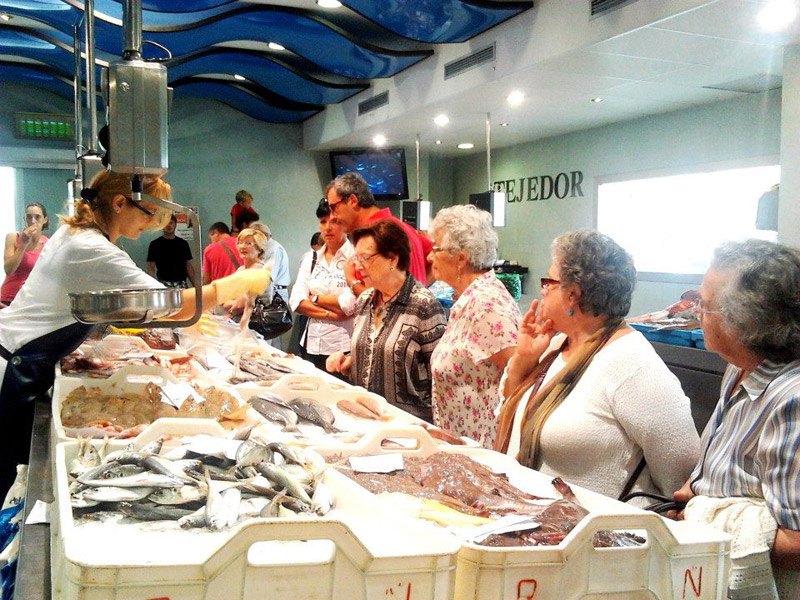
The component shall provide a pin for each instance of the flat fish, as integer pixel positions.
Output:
(357, 410)
(314, 412)
(275, 409)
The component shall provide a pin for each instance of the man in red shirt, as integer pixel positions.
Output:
(221, 257)
(353, 205)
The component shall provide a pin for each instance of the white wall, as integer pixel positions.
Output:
(727, 131)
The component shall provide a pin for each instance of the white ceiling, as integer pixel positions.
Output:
(648, 57)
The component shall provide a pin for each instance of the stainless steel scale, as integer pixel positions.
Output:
(137, 105)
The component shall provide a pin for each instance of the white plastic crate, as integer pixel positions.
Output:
(134, 379)
(679, 561)
(361, 553)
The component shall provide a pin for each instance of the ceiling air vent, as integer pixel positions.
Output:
(601, 6)
(366, 106)
(470, 61)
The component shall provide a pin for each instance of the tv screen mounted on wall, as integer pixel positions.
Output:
(383, 170)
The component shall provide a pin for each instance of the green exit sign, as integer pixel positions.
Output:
(42, 126)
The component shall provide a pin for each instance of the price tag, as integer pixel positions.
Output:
(506, 524)
(175, 393)
(383, 463)
(215, 360)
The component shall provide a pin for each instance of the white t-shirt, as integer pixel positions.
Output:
(74, 260)
(326, 337)
(627, 402)
(278, 260)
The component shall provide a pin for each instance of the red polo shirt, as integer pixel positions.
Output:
(419, 248)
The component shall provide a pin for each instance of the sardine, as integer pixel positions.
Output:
(165, 467)
(146, 479)
(153, 447)
(193, 520)
(287, 452)
(273, 508)
(153, 512)
(87, 458)
(116, 494)
(315, 413)
(97, 472)
(181, 495)
(251, 453)
(280, 477)
(322, 499)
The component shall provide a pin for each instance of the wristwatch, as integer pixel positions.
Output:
(315, 298)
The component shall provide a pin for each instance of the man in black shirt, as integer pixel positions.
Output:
(169, 258)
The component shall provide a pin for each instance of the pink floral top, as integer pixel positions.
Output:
(483, 321)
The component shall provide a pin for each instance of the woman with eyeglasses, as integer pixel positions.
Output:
(38, 329)
(252, 247)
(586, 397)
(397, 323)
(22, 251)
(321, 292)
(481, 333)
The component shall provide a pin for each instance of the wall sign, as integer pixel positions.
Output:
(184, 229)
(542, 187)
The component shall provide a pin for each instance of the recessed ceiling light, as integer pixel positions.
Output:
(329, 3)
(597, 99)
(466, 146)
(515, 98)
(503, 124)
(5, 17)
(275, 46)
(238, 77)
(438, 142)
(379, 140)
(777, 15)
(441, 120)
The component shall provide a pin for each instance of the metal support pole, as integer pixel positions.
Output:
(91, 87)
(419, 195)
(132, 29)
(489, 151)
(78, 100)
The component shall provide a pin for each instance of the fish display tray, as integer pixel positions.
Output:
(290, 387)
(676, 337)
(356, 552)
(678, 561)
(133, 379)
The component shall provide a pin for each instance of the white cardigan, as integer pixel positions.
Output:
(626, 402)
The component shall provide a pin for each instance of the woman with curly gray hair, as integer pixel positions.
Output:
(482, 331)
(586, 397)
(750, 313)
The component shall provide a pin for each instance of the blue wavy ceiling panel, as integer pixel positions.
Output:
(41, 77)
(329, 55)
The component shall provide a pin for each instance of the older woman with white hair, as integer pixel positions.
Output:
(481, 334)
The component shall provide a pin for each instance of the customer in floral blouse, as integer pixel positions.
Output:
(481, 335)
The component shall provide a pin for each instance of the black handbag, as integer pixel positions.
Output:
(271, 319)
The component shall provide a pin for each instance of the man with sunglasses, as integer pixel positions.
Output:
(353, 205)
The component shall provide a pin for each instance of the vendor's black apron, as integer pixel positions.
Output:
(29, 375)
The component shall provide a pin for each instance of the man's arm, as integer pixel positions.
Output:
(190, 271)
(151, 268)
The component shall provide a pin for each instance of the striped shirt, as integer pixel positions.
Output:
(751, 445)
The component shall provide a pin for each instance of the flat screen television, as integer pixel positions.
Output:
(383, 170)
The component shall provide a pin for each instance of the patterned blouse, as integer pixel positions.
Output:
(396, 364)
(466, 391)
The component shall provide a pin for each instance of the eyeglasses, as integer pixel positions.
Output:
(547, 283)
(246, 244)
(149, 213)
(699, 310)
(363, 260)
(435, 249)
(333, 205)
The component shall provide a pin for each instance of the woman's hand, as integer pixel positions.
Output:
(534, 335)
(28, 236)
(682, 495)
(338, 362)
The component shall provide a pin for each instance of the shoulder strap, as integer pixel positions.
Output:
(304, 335)
(313, 261)
(632, 479)
(230, 255)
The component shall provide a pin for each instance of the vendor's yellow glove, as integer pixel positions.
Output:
(234, 286)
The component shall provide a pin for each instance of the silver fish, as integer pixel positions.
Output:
(193, 520)
(181, 495)
(96, 472)
(275, 409)
(273, 508)
(226, 517)
(165, 467)
(153, 512)
(251, 453)
(279, 476)
(145, 479)
(322, 499)
(117, 494)
(153, 447)
(314, 412)
(287, 452)
(87, 458)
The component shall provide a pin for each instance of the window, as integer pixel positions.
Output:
(8, 214)
(672, 224)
